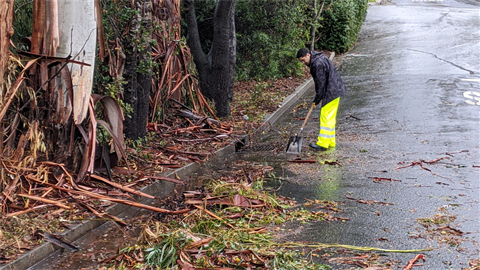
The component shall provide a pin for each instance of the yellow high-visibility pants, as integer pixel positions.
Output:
(328, 119)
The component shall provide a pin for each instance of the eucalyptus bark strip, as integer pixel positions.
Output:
(6, 32)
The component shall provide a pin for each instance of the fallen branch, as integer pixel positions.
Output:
(354, 117)
(451, 154)
(302, 161)
(184, 152)
(44, 200)
(236, 200)
(27, 210)
(455, 231)
(198, 118)
(421, 162)
(321, 245)
(380, 179)
(107, 198)
(101, 215)
(164, 178)
(411, 262)
(366, 202)
(126, 189)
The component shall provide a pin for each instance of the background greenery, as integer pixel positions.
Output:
(341, 23)
(269, 33)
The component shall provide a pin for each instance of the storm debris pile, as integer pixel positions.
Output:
(230, 225)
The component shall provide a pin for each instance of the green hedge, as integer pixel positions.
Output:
(269, 34)
(342, 20)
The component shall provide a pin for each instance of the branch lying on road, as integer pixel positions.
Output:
(367, 202)
(420, 162)
(380, 179)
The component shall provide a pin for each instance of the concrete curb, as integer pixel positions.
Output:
(160, 188)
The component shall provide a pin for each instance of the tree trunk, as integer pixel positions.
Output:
(217, 69)
(6, 32)
(315, 23)
(77, 26)
(138, 71)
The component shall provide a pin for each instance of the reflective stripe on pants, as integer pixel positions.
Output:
(328, 119)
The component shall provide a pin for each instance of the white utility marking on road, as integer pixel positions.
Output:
(471, 80)
(472, 95)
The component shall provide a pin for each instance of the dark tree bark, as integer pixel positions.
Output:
(137, 71)
(217, 68)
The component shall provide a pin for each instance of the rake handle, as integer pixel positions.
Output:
(308, 115)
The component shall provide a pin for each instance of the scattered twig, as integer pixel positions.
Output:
(411, 262)
(451, 154)
(366, 202)
(126, 189)
(351, 116)
(101, 215)
(455, 231)
(322, 245)
(214, 216)
(420, 163)
(298, 160)
(56, 241)
(45, 200)
(380, 179)
(164, 178)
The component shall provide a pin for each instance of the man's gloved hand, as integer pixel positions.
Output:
(317, 100)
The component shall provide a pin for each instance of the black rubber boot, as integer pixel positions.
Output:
(315, 147)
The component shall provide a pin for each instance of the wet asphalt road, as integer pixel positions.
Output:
(413, 82)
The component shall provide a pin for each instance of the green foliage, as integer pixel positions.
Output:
(164, 254)
(289, 260)
(258, 92)
(22, 20)
(116, 18)
(269, 33)
(342, 20)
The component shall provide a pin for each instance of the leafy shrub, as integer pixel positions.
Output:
(342, 20)
(269, 33)
(22, 21)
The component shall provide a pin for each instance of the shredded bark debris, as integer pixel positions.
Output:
(43, 192)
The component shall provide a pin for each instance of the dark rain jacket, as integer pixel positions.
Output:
(328, 84)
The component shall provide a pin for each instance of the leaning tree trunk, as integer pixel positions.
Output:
(217, 69)
(138, 70)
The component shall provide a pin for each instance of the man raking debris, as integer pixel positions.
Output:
(329, 87)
